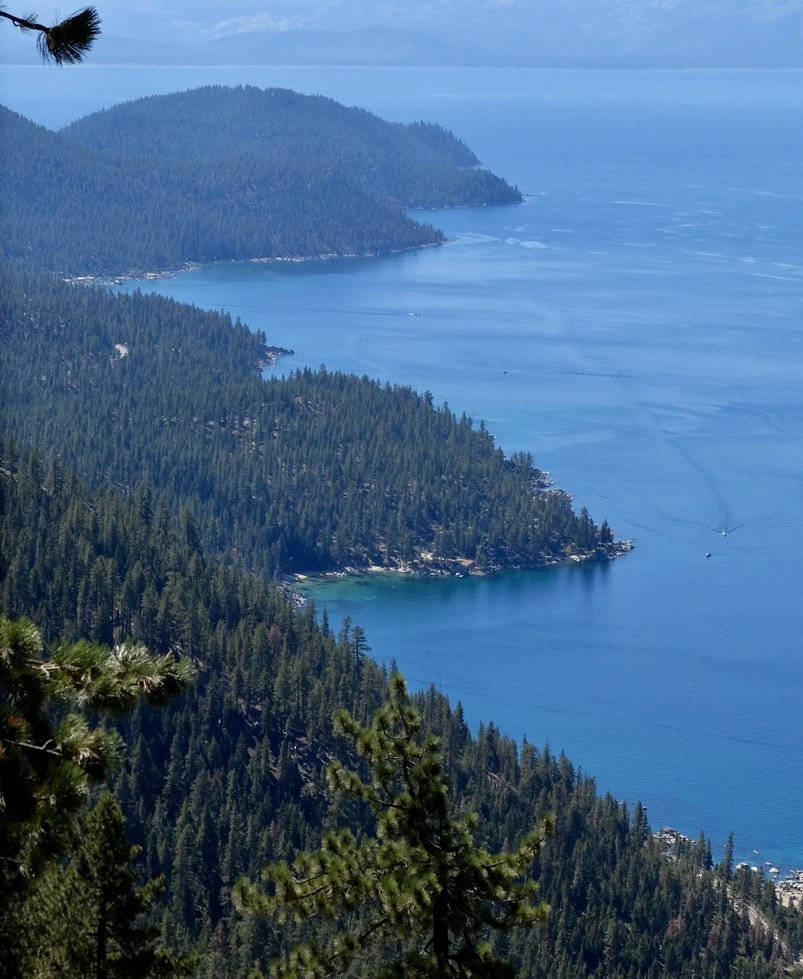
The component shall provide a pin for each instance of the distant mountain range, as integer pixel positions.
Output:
(637, 33)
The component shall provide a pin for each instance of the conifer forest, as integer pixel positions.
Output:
(199, 774)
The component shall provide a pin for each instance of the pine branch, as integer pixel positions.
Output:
(66, 42)
(420, 882)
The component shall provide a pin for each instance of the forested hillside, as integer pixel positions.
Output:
(310, 473)
(216, 174)
(231, 776)
(156, 487)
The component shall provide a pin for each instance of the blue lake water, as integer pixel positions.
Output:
(637, 324)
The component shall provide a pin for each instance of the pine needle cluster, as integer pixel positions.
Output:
(53, 746)
(66, 42)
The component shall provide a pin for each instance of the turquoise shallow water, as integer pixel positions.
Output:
(636, 324)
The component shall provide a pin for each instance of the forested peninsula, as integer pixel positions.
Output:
(218, 174)
(313, 472)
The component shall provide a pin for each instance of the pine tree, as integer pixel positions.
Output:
(419, 889)
(89, 916)
(52, 749)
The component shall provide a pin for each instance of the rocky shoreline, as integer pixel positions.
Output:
(430, 566)
(118, 278)
(790, 889)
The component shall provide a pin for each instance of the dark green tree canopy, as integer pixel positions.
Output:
(89, 917)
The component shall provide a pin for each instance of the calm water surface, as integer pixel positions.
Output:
(636, 324)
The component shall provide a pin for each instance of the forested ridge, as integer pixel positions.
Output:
(313, 472)
(226, 173)
(230, 777)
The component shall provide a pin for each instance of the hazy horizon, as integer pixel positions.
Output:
(505, 33)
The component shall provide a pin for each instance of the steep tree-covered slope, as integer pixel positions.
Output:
(217, 174)
(313, 472)
(231, 777)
